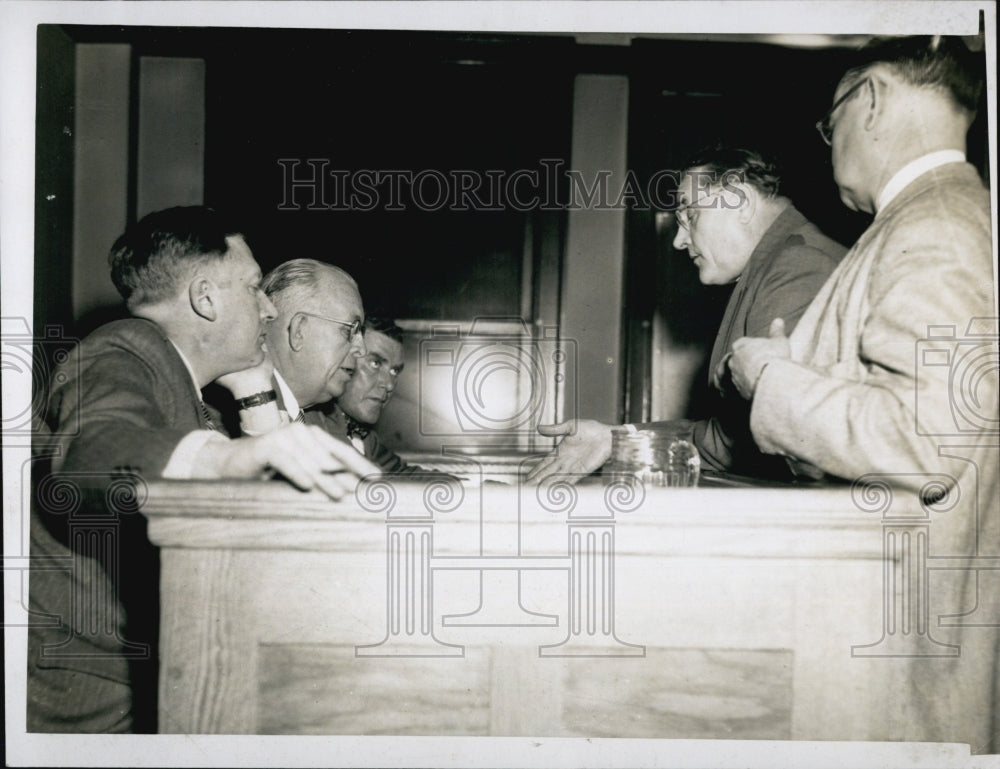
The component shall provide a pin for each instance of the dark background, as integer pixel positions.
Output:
(450, 101)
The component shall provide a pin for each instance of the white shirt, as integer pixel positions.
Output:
(913, 170)
(287, 397)
(292, 408)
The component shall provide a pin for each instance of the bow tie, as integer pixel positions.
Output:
(355, 429)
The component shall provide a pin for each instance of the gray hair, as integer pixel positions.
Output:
(297, 280)
(941, 62)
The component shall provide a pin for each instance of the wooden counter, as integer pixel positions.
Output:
(422, 608)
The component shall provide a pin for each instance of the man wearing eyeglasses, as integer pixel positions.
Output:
(841, 395)
(736, 229)
(336, 373)
(313, 345)
(892, 371)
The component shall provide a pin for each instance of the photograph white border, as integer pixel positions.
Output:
(18, 22)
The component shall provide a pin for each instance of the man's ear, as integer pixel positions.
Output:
(296, 332)
(200, 293)
(742, 197)
(876, 93)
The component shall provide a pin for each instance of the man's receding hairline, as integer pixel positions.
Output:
(306, 289)
(331, 270)
(891, 70)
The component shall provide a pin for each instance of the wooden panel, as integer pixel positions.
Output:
(593, 270)
(717, 613)
(510, 691)
(683, 693)
(207, 649)
(757, 523)
(55, 147)
(325, 689)
(101, 164)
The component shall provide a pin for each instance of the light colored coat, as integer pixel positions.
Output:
(861, 392)
(892, 383)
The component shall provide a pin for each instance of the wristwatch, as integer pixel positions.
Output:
(257, 399)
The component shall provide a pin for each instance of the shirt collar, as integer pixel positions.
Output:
(187, 365)
(914, 169)
(287, 398)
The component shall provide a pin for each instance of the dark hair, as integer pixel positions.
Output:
(152, 257)
(384, 326)
(729, 164)
(934, 61)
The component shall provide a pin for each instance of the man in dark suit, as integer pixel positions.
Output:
(737, 229)
(358, 409)
(127, 402)
(199, 313)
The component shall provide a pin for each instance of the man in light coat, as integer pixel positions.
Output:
(890, 380)
(857, 387)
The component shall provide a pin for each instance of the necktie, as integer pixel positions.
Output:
(210, 423)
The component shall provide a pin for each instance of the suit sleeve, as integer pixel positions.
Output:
(714, 444)
(384, 457)
(796, 275)
(392, 463)
(932, 272)
(107, 415)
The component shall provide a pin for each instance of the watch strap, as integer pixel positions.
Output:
(257, 399)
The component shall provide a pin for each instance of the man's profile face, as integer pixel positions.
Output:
(243, 310)
(374, 381)
(846, 147)
(711, 235)
(326, 360)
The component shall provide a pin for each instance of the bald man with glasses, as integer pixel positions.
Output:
(336, 373)
(313, 346)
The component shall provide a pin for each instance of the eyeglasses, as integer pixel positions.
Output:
(356, 326)
(687, 220)
(823, 124)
